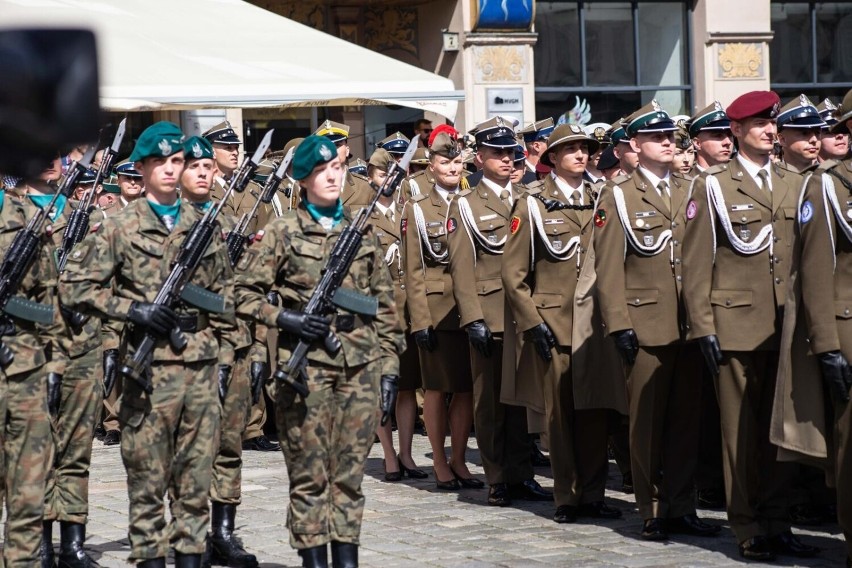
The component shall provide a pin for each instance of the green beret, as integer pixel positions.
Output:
(111, 188)
(197, 148)
(161, 139)
(313, 151)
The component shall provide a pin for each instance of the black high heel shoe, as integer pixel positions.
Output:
(451, 485)
(467, 482)
(393, 475)
(412, 473)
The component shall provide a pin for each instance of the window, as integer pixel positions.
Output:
(811, 52)
(614, 56)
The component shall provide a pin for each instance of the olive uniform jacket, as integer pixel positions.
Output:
(638, 242)
(427, 279)
(241, 203)
(412, 186)
(817, 315)
(478, 228)
(737, 256)
(390, 239)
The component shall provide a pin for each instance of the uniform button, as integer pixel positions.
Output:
(727, 302)
(636, 301)
(402, 287)
(674, 224)
(677, 261)
(402, 272)
(675, 243)
(778, 281)
(775, 239)
(744, 219)
(679, 278)
(554, 231)
(846, 312)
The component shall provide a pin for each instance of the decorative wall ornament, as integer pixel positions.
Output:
(500, 64)
(309, 15)
(740, 61)
(391, 27)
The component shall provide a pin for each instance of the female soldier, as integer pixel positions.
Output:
(326, 435)
(444, 355)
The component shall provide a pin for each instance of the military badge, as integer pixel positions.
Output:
(648, 240)
(600, 218)
(807, 212)
(516, 224)
(325, 153)
(745, 233)
(451, 225)
(436, 247)
(691, 210)
(196, 150)
(258, 236)
(403, 226)
(95, 228)
(165, 147)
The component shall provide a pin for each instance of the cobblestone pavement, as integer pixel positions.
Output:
(411, 523)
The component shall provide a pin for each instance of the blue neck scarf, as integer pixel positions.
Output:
(41, 202)
(2, 198)
(328, 217)
(203, 207)
(167, 213)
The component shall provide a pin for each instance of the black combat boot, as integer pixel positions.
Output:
(152, 563)
(315, 557)
(71, 552)
(344, 554)
(45, 550)
(187, 560)
(226, 549)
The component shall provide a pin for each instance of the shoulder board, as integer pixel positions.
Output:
(620, 179)
(680, 176)
(420, 197)
(716, 169)
(537, 184)
(416, 175)
(532, 191)
(827, 165)
(465, 192)
(361, 177)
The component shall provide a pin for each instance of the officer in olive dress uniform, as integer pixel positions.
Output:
(478, 226)
(169, 435)
(108, 198)
(356, 190)
(535, 138)
(799, 129)
(736, 263)
(442, 346)
(396, 144)
(550, 231)
(328, 433)
(823, 247)
(627, 159)
(638, 237)
(129, 181)
(834, 145)
(710, 131)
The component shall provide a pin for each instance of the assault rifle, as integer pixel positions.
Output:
(328, 294)
(23, 252)
(238, 238)
(177, 285)
(78, 224)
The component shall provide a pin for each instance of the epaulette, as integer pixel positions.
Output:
(419, 197)
(827, 165)
(415, 175)
(465, 192)
(620, 179)
(360, 176)
(537, 184)
(681, 176)
(531, 191)
(717, 169)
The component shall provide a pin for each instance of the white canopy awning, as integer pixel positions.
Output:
(184, 54)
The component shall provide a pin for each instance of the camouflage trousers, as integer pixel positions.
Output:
(66, 496)
(27, 452)
(228, 463)
(325, 439)
(167, 444)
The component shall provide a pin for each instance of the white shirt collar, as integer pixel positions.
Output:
(497, 189)
(567, 189)
(655, 181)
(753, 170)
(382, 208)
(444, 192)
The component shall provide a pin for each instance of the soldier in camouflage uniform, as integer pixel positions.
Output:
(327, 435)
(169, 436)
(195, 183)
(38, 360)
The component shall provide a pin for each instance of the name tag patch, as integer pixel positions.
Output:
(744, 207)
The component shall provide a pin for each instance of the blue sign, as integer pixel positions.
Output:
(503, 14)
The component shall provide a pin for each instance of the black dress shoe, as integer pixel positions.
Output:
(537, 458)
(565, 514)
(529, 490)
(99, 432)
(467, 482)
(713, 498)
(627, 483)
(261, 444)
(498, 495)
(654, 529)
(692, 525)
(451, 485)
(112, 438)
(598, 510)
(807, 515)
(788, 544)
(411, 473)
(757, 548)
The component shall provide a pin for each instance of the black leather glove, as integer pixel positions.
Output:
(110, 370)
(390, 390)
(307, 327)
(224, 375)
(156, 318)
(627, 345)
(712, 353)
(543, 339)
(836, 374)
(480, 337)
(54, 393)
(426, 339)
(259, 373)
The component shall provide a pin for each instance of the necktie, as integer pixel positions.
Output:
(389, 214)
(764, 182)
(664, 193)
(506, 198)
(575, 198)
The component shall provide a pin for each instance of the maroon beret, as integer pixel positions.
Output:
(762, 104)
